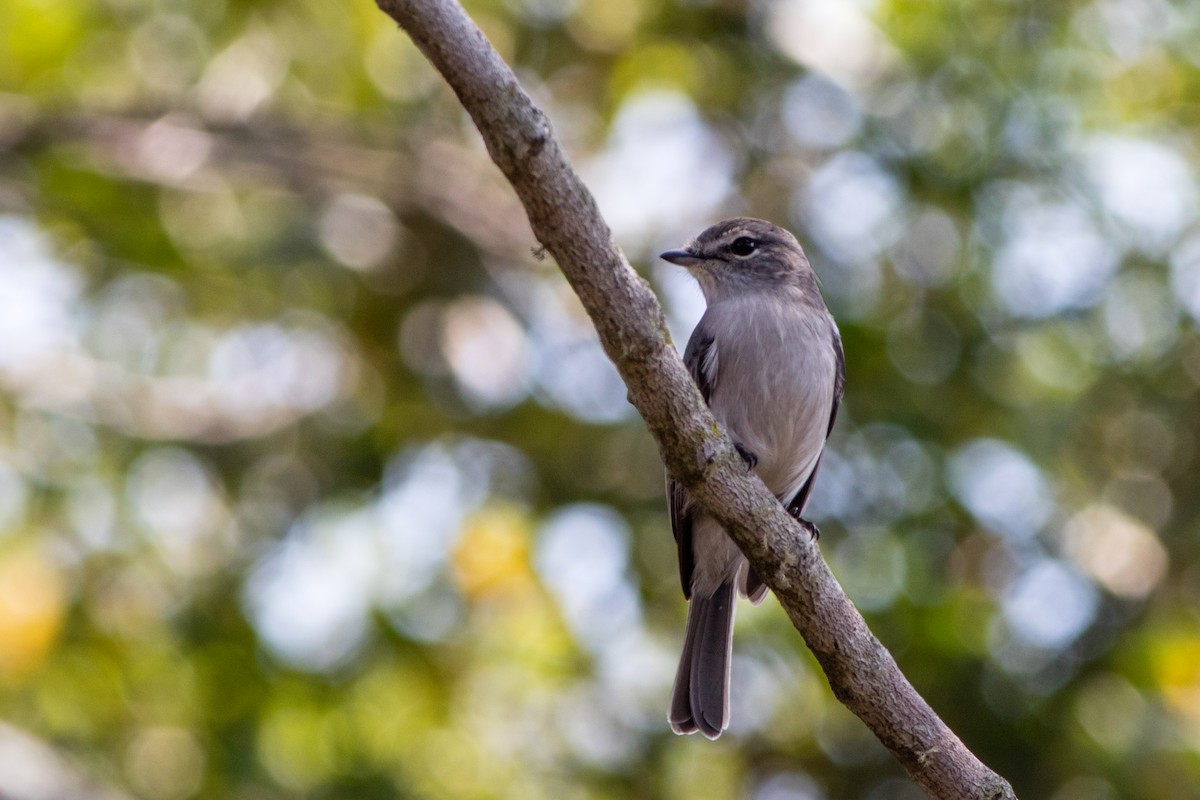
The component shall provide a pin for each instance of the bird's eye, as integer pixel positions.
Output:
(743, 246)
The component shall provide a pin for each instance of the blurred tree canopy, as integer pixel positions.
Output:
(315, 482)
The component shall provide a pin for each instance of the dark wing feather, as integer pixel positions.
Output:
(796, 506)
(696, 356)
(839, 378)
(679, 503)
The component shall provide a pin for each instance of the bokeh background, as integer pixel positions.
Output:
(314, 481)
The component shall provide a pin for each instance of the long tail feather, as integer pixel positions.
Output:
(700, 699)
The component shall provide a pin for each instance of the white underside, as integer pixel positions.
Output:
(772, 372)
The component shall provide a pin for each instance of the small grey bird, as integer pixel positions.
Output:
(768, 359)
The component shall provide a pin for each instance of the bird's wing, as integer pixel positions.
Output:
(796, 506)
(700, 357)
(839, 378)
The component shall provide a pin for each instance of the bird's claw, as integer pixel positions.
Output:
(747, 456)
(810, 527)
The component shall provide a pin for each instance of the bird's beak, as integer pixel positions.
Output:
(681, 257)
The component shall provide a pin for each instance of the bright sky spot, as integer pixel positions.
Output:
(789, 786)
(853, 207)
(128, 355)
(591, 729)
(837, 39)
(1185, 275)
(1054, 258)
(662, 169)
(571, 369)
(310, 598)
(582, 556)
(1049, 605)
(1129, 27)
(38, 296)
(427, 494)
(819, 113)
(487, 351)
(129, 319)
(34, 768)
(682, 300)
(1001, 487)
(359, 231)
(255, 367)
(875, 475)
(757, 694)
(1147, 187)
(176, 502)
(580, 378)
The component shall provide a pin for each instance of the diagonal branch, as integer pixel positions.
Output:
(565, 219)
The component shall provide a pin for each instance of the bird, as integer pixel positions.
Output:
(767, 357)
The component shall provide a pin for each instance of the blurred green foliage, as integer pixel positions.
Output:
(314, 481)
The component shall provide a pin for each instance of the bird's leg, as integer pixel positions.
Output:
(811, 527)
(747, 456)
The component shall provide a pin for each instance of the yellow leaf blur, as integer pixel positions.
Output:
(1177, 672)
(32, 606)
(492, 555)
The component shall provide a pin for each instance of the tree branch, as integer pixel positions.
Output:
(632, 329)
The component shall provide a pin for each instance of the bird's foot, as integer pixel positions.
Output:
(747, 456)
(811, 527)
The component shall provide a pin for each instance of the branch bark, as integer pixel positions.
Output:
(633, 331)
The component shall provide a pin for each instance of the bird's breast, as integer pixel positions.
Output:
(775, 384)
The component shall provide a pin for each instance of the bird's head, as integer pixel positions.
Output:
(744, 254)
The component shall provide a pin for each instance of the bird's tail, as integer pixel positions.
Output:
(700, 700)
